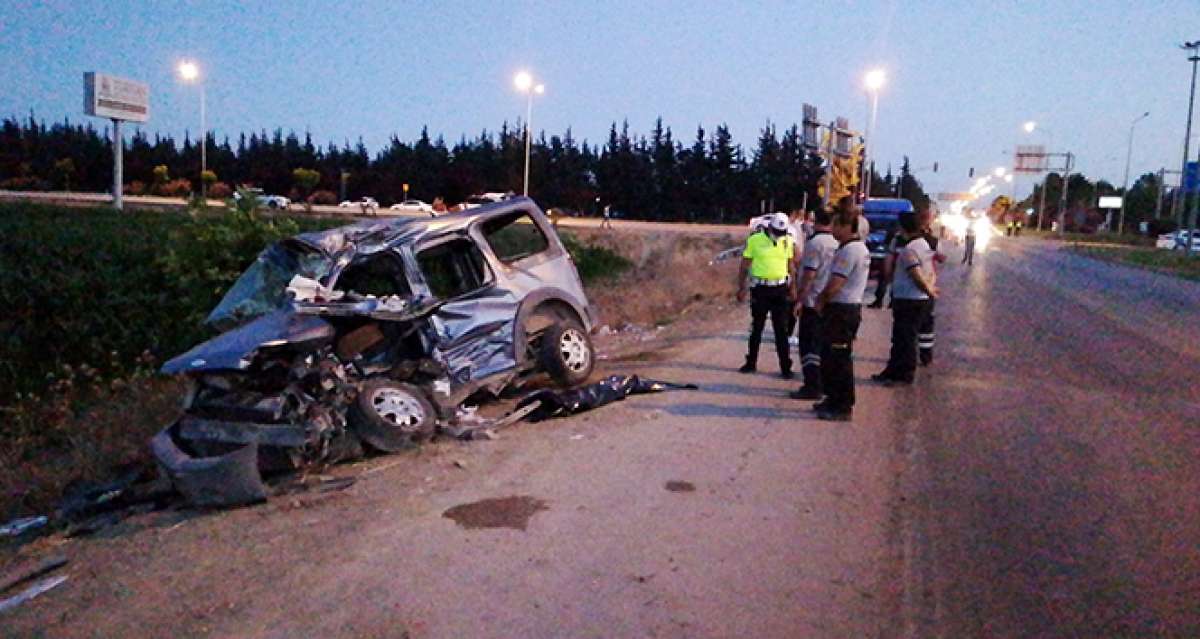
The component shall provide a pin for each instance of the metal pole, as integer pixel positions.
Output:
(1125, 187)
(870, 139)
(1158, 198)
(828, 165)
(1042, 200)
(528, 136)
(1187, 138)
(1062, 209)
(118, 177)
(203, 148)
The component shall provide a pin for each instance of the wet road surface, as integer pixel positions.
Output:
(1053, 488)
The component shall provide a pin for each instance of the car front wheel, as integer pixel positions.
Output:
(390, 416)
(566, 353)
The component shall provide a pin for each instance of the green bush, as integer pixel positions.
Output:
(99, 288)
(594, 263)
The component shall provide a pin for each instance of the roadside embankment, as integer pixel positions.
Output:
(95, 300)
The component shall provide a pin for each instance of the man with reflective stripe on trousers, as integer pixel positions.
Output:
(817, 261)
(840, 307)
(770, 262)
(912, 290)
(926, 334)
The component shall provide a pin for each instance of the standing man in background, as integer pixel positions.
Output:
(912, 290)
(817, 262)
(769, 261)
(840, 307)
(926, 334)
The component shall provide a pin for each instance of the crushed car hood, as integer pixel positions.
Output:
(234, 350)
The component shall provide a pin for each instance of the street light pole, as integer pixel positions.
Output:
(524, 84)
(528, 136)
(1194, 47)
(874, 82)
(190, 72)
(1125, 187)
(1187, 136)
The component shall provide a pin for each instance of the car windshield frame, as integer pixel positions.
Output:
(262, 288)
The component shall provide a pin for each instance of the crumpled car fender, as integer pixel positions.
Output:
(231, 479)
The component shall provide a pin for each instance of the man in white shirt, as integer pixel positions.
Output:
(840, 306)
(816, 264)
(912, 293)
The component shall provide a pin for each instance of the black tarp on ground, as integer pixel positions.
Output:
(559, 403)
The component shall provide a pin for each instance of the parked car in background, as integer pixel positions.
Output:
(413, 206)
(365, 203)
(485, 198)
(264, 200)
(1178, 240)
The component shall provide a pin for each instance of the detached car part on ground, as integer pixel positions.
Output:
(372, 334)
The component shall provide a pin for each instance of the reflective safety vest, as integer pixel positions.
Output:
(769, 260)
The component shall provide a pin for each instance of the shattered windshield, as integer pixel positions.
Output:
(263, 287)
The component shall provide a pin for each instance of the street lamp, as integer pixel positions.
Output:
(524, 83)
(1194, 48)
(1031, 126)
(190, 72)
(873, 81)
(1125, 185)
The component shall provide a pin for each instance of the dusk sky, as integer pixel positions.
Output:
(961, 77)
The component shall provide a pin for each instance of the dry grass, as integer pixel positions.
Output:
(671, 274)
(82, 428)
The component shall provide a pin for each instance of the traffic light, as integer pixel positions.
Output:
(971, 173)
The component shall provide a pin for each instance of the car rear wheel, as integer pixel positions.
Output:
(390, 416)
(566, 353)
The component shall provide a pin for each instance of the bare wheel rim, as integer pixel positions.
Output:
(574, 350)
(398, 408)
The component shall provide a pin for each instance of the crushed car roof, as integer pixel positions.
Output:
(375, 235)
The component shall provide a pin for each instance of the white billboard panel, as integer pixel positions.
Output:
(1110, 201)
(108, 96)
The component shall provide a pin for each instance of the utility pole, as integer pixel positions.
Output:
(118, 164)
(1062, 208)
(1158, 197)
(1125, 187)
(1187, 137)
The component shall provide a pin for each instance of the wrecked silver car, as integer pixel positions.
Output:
(372, 334)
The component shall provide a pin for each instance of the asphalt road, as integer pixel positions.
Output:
(1053, 484)
(1042, 480)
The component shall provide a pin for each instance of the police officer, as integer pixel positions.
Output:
(912, 290)
(926, 334)
(817, 262)
(840, 306)
(770, 261)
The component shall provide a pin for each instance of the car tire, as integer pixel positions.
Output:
(391, 416)
(566, 353)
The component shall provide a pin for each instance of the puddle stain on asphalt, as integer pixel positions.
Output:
(677, 486)
(502, 512)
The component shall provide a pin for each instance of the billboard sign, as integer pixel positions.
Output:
(1031, 158)
(1191, 177)
(108, 96)
(810, 126)
(1110, 202)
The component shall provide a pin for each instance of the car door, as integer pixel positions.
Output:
(474, 324)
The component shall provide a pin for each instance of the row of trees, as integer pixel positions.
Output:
(1141, 203)
(708, 177)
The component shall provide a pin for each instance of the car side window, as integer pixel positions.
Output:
(381, 275)
(514, 237)
(453, 268)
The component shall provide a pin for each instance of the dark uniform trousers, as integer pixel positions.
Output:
(810, 347)
(926, 335)
(840, 324)
(773, 301)
(907, 318)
